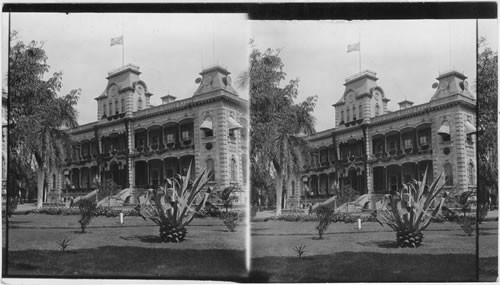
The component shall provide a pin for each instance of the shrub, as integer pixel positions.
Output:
(63, 243)
(208, 211)
(335, 218)
(100, 211)
(87, 211)
(300, 250)
(324, 214)
(230, 220)
(468, 224)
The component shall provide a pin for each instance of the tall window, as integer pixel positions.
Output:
(233, 169)
(360, 112)
(341, 115)
(377, 110)
(117, 110)
(53, 181)
(471, 174)
(110, 109)
(293, 188)
(123, 105)
(210, 168)
(348, 115)
(104, 109)
(139, 104)
(408, 143)
(448, 172)
(423, 140)
(354, 113)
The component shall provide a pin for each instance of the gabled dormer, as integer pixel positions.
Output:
(125, 93)
(214, 79)
(451, 83)
(362, 99)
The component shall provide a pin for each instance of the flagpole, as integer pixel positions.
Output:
(123, 46)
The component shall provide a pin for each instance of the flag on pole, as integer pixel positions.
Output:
(353, 47)
(117, 41)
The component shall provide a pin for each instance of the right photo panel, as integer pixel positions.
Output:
(373, 151)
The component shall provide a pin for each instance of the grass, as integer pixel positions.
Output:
(131, 250)
(364, 267)
(123, 262)
(371, 254)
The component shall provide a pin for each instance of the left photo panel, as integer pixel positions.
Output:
(125, 146)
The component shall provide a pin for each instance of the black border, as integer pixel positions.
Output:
(285, 11)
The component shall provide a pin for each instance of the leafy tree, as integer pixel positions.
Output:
(277, 122)
(487, 100)
(37, 114)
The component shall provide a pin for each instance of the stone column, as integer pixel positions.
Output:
(459, 148)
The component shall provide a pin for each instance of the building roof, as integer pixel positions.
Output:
(215, 78)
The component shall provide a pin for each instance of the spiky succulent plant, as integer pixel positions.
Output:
(410, 211)
(173, 206)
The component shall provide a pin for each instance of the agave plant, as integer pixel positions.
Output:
(409, 212)
(173, 206)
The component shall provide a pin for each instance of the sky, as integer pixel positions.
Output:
(407, 55)
(170, 49)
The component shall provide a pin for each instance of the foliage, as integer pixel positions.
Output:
(324, 214)
(300, 250)
(37, 115)
(277, 150)
(171, 206)
(87, 211)
(487, 101)
(227, 197)
(408, 212)
(99, 211)
(63, 243)
(230, 220)
(468, 224)
(12, 201)
(335, 218)
(209, 210)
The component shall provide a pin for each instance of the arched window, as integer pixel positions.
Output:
(139, 104)
(233, 169)
(472, 180)
(211, 169)
(448, 172)
(123, 105)
(377, 110)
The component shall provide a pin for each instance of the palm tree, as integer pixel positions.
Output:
(51, 144)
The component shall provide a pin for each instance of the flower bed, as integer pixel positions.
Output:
(100, 211)
(336, 218)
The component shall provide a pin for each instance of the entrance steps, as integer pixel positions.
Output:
(116, 200)
(77, 200)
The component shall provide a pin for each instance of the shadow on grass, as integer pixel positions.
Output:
(367, 267)
(130, 262)
(381, 244)
(146, 239)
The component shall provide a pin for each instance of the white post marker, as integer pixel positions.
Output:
(121, 218)
(359, 223)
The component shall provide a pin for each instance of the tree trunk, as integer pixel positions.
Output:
(279, 193)
(40, 181)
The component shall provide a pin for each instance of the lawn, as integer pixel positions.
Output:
(347, 254)
(110, 249)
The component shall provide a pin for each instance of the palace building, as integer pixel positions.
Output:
(138, 145)
(374, 151)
